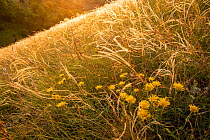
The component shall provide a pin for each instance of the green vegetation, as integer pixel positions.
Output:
(131, 70)
(19, 20)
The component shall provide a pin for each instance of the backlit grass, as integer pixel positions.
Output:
(134, 69)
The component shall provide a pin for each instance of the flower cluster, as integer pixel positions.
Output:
(154, 101)
(128, 98)
(143, 114)
(144, 104)
(151, 86)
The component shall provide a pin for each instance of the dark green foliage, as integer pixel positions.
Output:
(18, 20)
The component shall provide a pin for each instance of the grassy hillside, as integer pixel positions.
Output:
(133, 69)
(19, 19)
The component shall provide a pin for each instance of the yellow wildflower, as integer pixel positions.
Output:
(144, 104)
(56, 97)
(140, 74)
(121, 83)
(136, 90)
(149, 87)
(143, 114)
(60, 82)
(163, 102)
(128, 85)
(49, 89)
(81, 84)
(156, 83)
(151, 78)
(112, 87)
(153, 98)
(64, 79)
(61, 104)
(194, 108)
(123, 95)
(178, 86)
(61, 75)
(98, 87)
(123, 75)
(130, 99)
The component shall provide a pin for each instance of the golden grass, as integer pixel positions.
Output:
(157, 38)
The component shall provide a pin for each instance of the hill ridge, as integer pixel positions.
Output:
(45, 34)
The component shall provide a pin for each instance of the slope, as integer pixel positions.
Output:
(132, 69)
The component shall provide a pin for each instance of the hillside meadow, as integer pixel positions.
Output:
(130, 70)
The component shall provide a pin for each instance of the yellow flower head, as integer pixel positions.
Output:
(194, 108)
(156, 83)
(69, 77)
(81, 84)
(128, 85)
(149, 87)
(136, 90)
(163, 102)
(60, 82)
(56, 97)
(151, 78)
(64, 79)
(112, 87)
(178, 86)
(61, 75)
(98, 87)
(123, 75)
(123, 95)
(144, 104)
(143, 114)
(140, 75)
(153, 98)
(121, 83)
(61, 104)
(49, 89)
(130, 99)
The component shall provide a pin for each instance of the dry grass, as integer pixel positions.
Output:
(164, 39)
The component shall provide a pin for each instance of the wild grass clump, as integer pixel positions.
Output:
(134, 69)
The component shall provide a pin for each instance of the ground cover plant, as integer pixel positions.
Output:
(134, 69)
